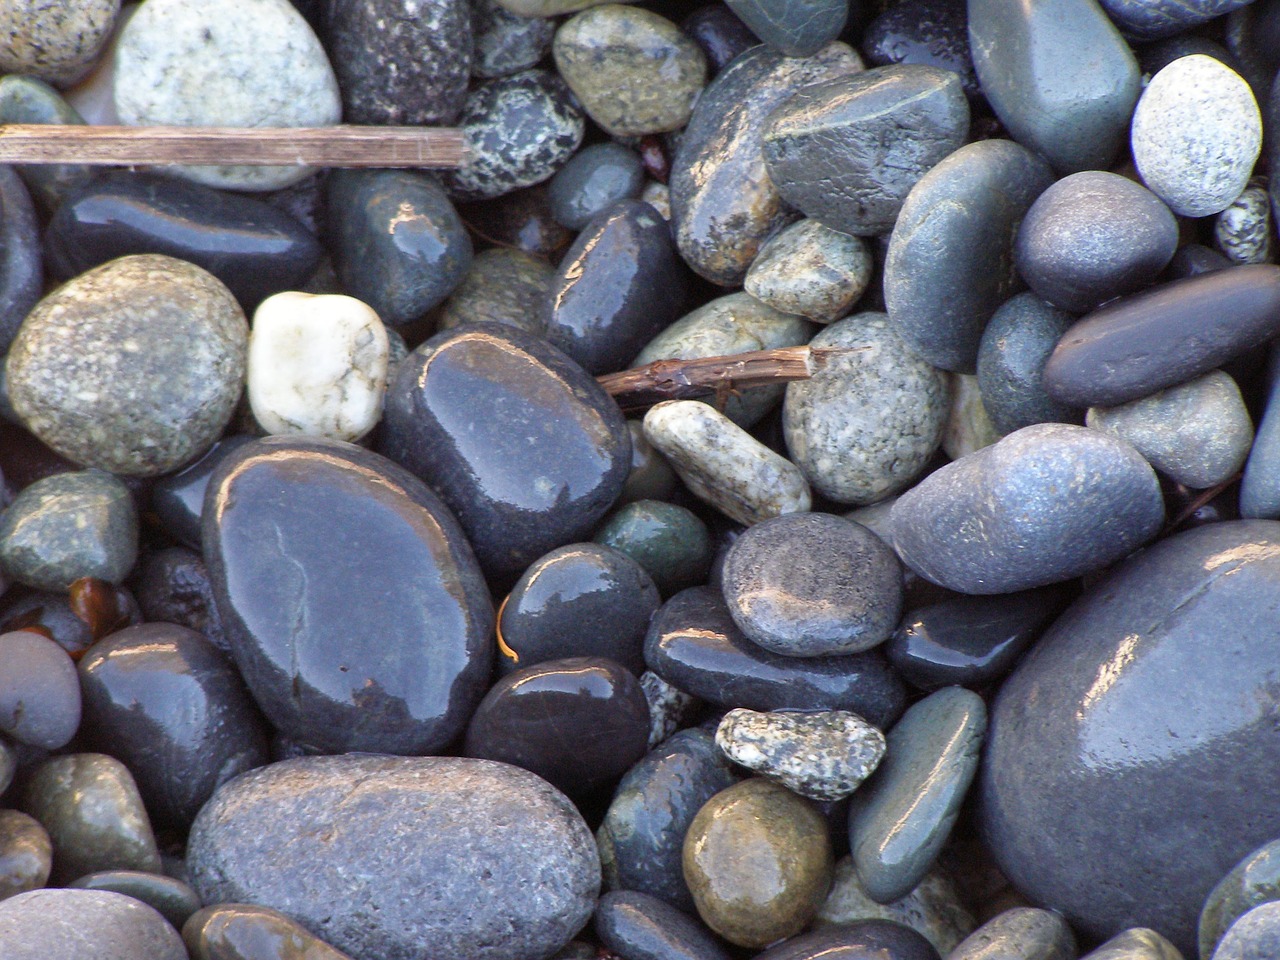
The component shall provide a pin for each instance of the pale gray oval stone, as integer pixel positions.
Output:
(85, 925)
(1021, 933)
(810, 270)
(1243, 231)
(1136, 943)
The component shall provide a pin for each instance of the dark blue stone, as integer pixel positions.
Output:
(1150, 19)
(21, 272)
(1011, 357)
(796, 28)
(597, 177)
(864, 940)
(721, 35)
(178, 498)
(642, 927)
(173, 586)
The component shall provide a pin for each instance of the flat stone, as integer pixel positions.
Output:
(502, 286)
(931, 32)
(39, 691)
(355, 540)
(848, 151)
(1253, 881)
(28, 100)
(810, 270)
(595, 178)
(1243, 231)
(865, 425)
(56, 41)
(21, 269)
(294, 836)
(641, 927)
(53, 924)
(1011, 358)
(1027, 933)
(171, 898)
(192, 63)
(26, 855)
(1045, 504)
(232, 931)
(506, 43)
(669, 541)
(1255, 936)
(866, 940)
(1196, 135)
(950, 259)
(1136, 943)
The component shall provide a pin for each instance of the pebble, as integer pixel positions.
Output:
(81, 375)
(1059, 76)
(398, 244)
(1196, 135)
(26, 855)
(68, 526)
(931, 32)
(1166, 335)
(51, 925)
(56, 41)
(22, 268)
(172, 899)
(192, 63)
(1197, 433)
(1243, 231)
(173, 586)
(642, 834)
(1260, 485)
(1047, 503)
(721, 35)
(1136, 943)
(366, 580)
(670, 708)
(1027, 933)
(1145, 747)
(724, 465)
(178, 498)
(91, 808)
(650, 477)
(822, 756)
(28, 100)
(866, 940)
(317, 366)
(866, 424)
(642, 927)
(539, 471)
(1011, 358)
(667, 540)
(757, 860)
(238, 931)
(812, 585)
(39, 691)
(899, 820)
(811, 271)
(723, 202)
(547, 8)
(969, 427)
(848, 151)
(504, 42)
(632, 70)
(797, 29)
(401, 62)
(295, 837)
(1255, 936)
(1146, 21)
(1253, 881)
(520, 220)
(950, 258)
(595, 179)
(502, 286)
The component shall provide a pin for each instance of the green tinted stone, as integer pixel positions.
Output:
(669, 541)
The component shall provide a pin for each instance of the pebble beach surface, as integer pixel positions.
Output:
(345, 615)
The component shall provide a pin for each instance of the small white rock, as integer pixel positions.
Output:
(317, 365)
(1196, 135)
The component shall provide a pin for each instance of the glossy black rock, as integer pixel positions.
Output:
(798, 28)
(932, 32)
(251, 246)
(353, 604)
(720, 34)
(526, 448)
(694, 644)
(173, 708)
(864, 940)
(21, 273)
(620, 285)
(173, 586)
(597, 177)
(642, 927)
(178, 498)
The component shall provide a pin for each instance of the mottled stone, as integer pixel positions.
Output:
(237, 931)
(82, 371)
(670, 708)
(21, 264)
(64, 924)
(1253, 881)
(502, 286)
(864, 426)
(1136, 943)
(1243, 230)
(1025, 933)
(932, 32)
(642, 927)
(757, 860)
(504, 42)
(1046, 503)
(1011, 357)
(1196, 135)
(668, 540)
(27, 100)
(323, 840)
(810, 270)
(865, 940)
(192, 63)
(171, 898)
(597, 177)
(721, 35)
(55, 40)
(26, 855)
(39, 692)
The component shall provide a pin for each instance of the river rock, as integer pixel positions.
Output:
(231, 931)
(21, 266)
(865, 940)
(1027, 933)
(1255, 936)
(1145, 20)
(810, 270)
(1011, 357)
(502, 286)
(173, 586)
(1136, 943)
(53, 925)
(39, 692)
(178, 498)
(26, 855)
(670, 708)
(294, 836)
(1253, 881)
(595, 179)
(1243, 231)
(55, 41)
(642, 927)
(28, 100)
(721, 35)
(932, 32)
(669, 541)
(506, 43)
(797, 29)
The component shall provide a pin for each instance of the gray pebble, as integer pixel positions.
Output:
(1022, 933)
(797, 28)
(506, 43)
(77, 924)
(39, 691)
(969, 427)
(1260, 486)
(810, 270)
(26, 855)
(1136, 943)
(1253, 881)
(1011, 358)
(596, 178)
(503, 285)
(1255, 936)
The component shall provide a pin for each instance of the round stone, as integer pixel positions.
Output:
(1023, 932)
(39, 691)
(506, 43)
(1255, 936)
(59, 925)
(26, 855)
(1011, 358)
(668, 540)
(1253, 881)
(134, 367)
(55, 40)
(810, 270)
(503, 285)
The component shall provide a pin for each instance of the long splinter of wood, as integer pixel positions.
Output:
(337, 146)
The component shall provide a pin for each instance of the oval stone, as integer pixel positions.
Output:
(238, 931)
(39, 693)
(1253, 881)
(21, 268)
(799, 28)
(361, 622)
(521, 878)
(597, 177)
(810, 270)
(172, 899)
(642, 927)
(63, 924)
(26, 855)
(1027, 933)
(1011, 357)
(506, 43)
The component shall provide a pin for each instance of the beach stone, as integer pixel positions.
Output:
(1196, 135)
(721, 35)
(810, 270)
(1253, 881)
(757, 860)
(848, 151)
(401, 61)
(642, 834)
(900, 819)
(734, 323)
(515, 499)
(1142, 343)
(1026, 933)
(968, 428)
(506, 43)
(1047, 503)
(39, 691)
(931, 32)
(670, 708)
(950, 262)
(295, 836)
(521, 128)
(26, 855)
(669, 541)
(55, 40)
(1243, 231)
(502, 286)
(822, 756)
(650, 477)
(1147, 21)
(191, 63)
(724, 465)
(173, 586)
(366, 580)
(68, 526)
(53, 925)
(90, 806)
(723, 203)
(812, 585)
(932, 909)
(80, 373)
(1011, 358)
(521, 220)
(317, 366)
(797, 29)
(1255, 936)
(632, 70)
(28, 100)
(1260, 486)
(642, 927)
(548, 8)
(1093, 236)
(178, 498)
(595, 178)
(236, 931)
(865, 940)
(1059, 76)
(21, 266)
(1136, 943)
(172, 899)
(1193, 259)
(1197, 433)
(865, 425)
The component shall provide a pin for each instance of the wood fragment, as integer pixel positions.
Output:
(337, 146)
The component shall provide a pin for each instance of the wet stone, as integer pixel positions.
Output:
(670, 708)
(597, 177)
(506, 43)
(721, 35)
(26, 855)
(27, 100)
(796, 29)
(1024, 932)
(667, 540)
(1136, 943)
(1243, 230)
(21, 266)
(1011, 357)
(1260, 486)
(650, 478)
(642, 927)
(55, 41)
(930, 32)
(173, 586)
(866, 940)
(172, 899)
(523, 874)
(520, 220)
(47, 924)
(502, 286)
(39, 692)
(178, 498)
(237, 931)
(1255, 936)
(1253, 881)
(810, 270)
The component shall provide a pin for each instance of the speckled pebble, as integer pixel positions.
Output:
(810, 270)
(670, 708)
(52, 925)
(503, 286)
(1243, 230)
(54, 40)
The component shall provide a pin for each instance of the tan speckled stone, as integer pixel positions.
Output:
(54, 40)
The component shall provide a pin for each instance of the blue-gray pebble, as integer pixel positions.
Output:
(1011, 357)
(1255, 936)
(642, 927)
(864, 940)
(1149, 19)
(933, 32)
(60, 925)
(39, 691)
(597, 177)
(173, 899)
(21, 265)
(1253, 881)
(796, 28)
(1260, 486)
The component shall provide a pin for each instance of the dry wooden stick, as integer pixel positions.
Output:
(338, 146)
(689, 379)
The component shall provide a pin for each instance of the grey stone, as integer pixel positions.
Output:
(642, 927)
(900, 819)
(26, 855)
(39, 690)
(1046, 503)
(21, 266)
(1136, 943)
(1011, 358)
(171, 898)
(1253, 881)
(75, 924)
(503, 286)
(1148, 19)
(822, 756)
(670, 708)
(501, 866)
(1243, 230)
(1255, 936)
(506, 43)
(865, 425)
(810, 270)
(597, 177)
(797, 28)
(551, 8)
(1021, 933)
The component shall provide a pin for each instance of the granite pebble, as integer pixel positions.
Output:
(1027, 933)
(810, 270)
(55, 40)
